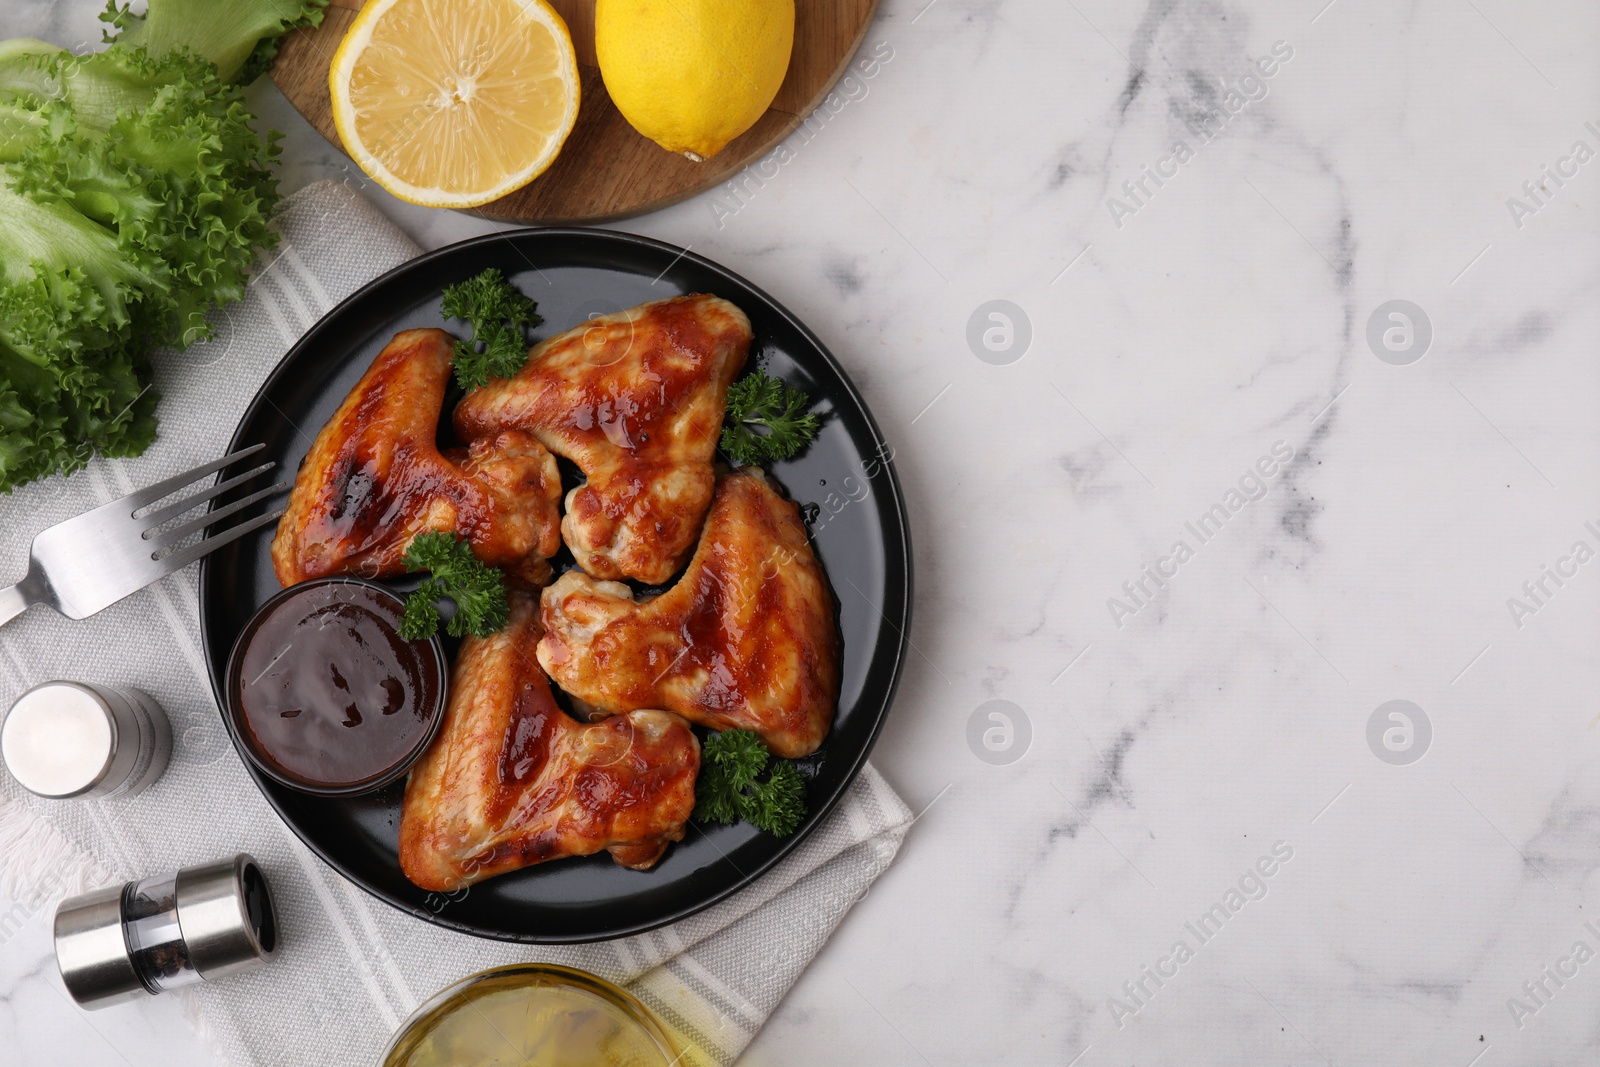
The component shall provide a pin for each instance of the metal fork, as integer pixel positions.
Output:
(93, 560)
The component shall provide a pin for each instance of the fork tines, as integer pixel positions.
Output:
(166, 545)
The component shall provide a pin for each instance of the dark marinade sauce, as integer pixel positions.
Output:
(329, 692)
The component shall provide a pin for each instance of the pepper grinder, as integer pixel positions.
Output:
(146, 937)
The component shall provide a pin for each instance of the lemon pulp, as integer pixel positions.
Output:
(453, 103)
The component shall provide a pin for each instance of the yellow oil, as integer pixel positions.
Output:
(532, 1017)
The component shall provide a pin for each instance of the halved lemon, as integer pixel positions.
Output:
(454, 103)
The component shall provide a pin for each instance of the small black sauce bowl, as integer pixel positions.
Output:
(244, 740)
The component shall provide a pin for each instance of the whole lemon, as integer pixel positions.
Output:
(692, 75)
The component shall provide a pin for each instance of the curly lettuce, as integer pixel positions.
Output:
(134, 198)
(239, 36)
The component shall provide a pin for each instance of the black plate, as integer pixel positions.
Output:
(859, 529)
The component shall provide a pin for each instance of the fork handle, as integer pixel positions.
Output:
(14, 600)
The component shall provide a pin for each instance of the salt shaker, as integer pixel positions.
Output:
(72, 739)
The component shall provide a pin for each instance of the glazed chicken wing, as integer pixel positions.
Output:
(375, 478)
(745, 639)
(512, 780)
(636, 400)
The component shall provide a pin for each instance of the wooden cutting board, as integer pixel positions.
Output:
(607, 170)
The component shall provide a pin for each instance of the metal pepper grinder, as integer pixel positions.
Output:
(146, 937)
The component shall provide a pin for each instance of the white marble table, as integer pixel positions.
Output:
(1413, 533)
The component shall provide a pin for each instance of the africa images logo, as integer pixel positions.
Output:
(1252, 885)
(1538, 591)
(1207, 125)
(1538, 191)
(1140, 592)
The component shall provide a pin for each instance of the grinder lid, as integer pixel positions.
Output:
(225, 913)
(90, 950)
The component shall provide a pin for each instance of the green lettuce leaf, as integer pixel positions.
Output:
(134, 200)
(241, 38)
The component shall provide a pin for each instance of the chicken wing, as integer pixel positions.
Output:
(745, 639)
(512, 780)
(375, 478)
(636, 400)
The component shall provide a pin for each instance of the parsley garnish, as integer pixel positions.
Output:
(730, 786)
(499, 314)
(479, 590)
(760, 402)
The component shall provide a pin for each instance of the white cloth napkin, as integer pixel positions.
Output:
(349, 968)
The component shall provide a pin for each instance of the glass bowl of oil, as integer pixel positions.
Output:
(532, 1014)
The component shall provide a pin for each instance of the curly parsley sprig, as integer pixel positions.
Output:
(766, 420)
(479, 590)
(730, 786)
(499, 315)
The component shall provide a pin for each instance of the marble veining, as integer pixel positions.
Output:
(1195, 258)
